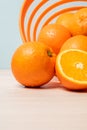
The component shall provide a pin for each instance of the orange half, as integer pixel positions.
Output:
(71, 69)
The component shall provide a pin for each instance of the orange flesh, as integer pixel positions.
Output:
(75, 65)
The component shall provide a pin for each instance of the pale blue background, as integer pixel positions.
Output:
(10, 37)
(9, 30)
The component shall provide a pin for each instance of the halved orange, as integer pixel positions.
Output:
(71, 69)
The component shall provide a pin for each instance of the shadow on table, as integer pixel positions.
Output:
(55, 84)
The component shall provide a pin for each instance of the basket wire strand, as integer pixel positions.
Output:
(27, 34)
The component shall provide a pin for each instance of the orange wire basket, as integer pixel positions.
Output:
(35, 14)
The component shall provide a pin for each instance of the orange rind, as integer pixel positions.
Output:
(71, 69)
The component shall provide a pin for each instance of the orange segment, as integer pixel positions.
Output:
(71, 68)
(78, 64)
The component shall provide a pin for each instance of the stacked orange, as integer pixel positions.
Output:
(71, 62)
(76, 22)
(60, 47)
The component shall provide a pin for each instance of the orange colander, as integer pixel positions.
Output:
(35, 14)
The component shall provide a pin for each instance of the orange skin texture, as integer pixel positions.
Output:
(75, 42)
(68, 21)
(81, 21)
(31, 65)
(75, 22)
(54, 35)
(65, 19)
(66, 82)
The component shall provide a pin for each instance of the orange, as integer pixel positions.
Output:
(75, 22)
(33, 64)
(81, 21)
(68, 21)
(71, 69)
(75, 42)
(65, 19)
(54, 35)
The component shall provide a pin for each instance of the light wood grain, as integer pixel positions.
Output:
(48, 108)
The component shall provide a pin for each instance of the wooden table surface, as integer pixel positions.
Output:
(50, 107)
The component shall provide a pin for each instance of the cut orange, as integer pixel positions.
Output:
(71, 69)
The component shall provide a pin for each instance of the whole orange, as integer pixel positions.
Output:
(33, 64)
(71, 69)
(65, 19)
(54, 36)
(80, 18)
(76, 22)
(75, 42)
